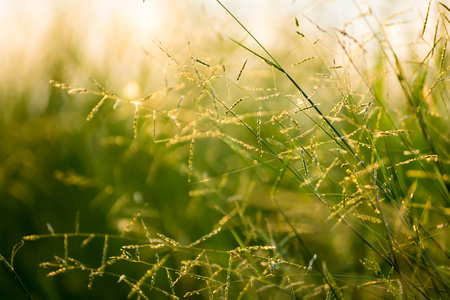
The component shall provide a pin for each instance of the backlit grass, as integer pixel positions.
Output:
(252, 173)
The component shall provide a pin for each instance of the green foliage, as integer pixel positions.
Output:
(234, 182)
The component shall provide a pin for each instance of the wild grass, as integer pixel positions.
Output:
(332, 184)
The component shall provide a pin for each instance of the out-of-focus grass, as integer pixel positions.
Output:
(196, 170)
(58, 169)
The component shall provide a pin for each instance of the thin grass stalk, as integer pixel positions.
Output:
(407, 90)
(16, 277)
(340, 137)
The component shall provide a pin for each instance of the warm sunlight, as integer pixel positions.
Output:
(209, 149)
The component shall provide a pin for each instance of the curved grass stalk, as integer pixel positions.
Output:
(346, 146)
(337, 136)
(411, 94)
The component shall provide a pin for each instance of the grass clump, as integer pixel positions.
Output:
(334, 184)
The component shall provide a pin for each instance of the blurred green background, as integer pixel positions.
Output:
(59, 171)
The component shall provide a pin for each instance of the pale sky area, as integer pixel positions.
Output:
(158, 18)
(25, 19)
(118, 30)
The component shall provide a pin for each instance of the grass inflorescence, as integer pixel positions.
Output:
(332, 184)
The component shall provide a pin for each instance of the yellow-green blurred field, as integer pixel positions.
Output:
(208, 150)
